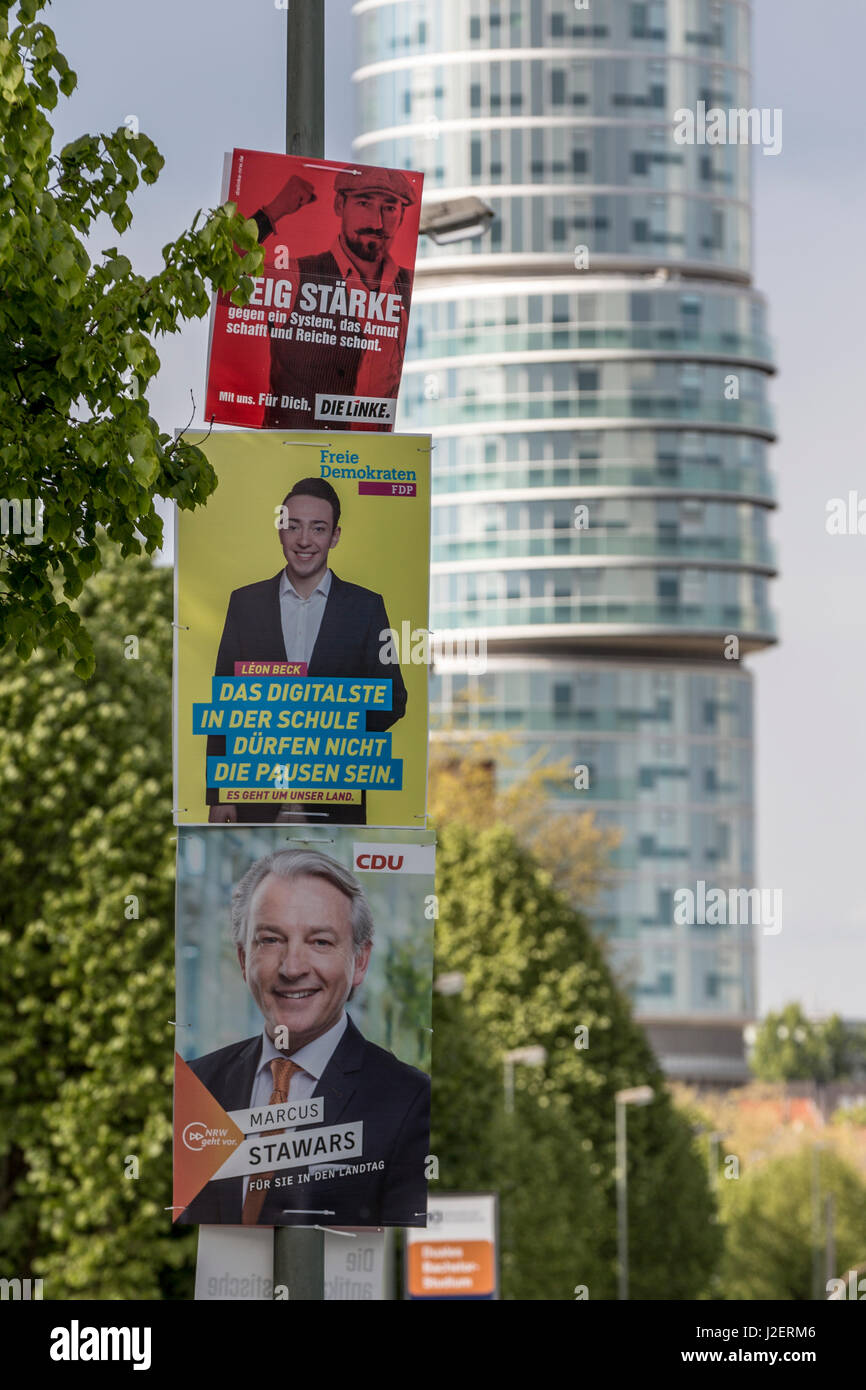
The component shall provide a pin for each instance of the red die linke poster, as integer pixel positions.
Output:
(321, 343)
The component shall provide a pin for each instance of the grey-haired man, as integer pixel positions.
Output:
(303, 932)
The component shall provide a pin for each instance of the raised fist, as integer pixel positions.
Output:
(296, 194)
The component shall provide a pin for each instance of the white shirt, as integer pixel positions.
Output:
(301, 618)
(313, 1057)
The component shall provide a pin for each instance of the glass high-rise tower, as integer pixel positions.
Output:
(595, 370)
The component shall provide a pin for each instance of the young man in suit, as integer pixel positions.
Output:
(303, 932)
(307, 613)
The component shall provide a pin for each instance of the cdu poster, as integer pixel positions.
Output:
(320, 345)
(302, 646)
(304, 977)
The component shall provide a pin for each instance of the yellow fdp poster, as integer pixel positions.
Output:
(302, 646)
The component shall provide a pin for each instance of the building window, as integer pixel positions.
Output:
(557, 87)
(475, 27)
(638, 21)
(475, 95)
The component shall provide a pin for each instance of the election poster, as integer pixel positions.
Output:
(304, 966)
(320, 344)
(301, 640)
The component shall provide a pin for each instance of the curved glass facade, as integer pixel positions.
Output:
(562, 120)
(668, 753)
(595, 369)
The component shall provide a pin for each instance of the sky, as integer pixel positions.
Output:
(202, 76)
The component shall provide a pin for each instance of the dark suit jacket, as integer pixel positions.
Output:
(347, 645)
(361, 1082)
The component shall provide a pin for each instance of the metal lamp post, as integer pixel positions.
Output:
(633, 1095)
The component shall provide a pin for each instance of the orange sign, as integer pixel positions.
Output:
(455, 1257)
(441, 1267)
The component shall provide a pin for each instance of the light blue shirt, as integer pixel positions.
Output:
(301, 618)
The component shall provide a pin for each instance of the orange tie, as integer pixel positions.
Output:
(282, 1070)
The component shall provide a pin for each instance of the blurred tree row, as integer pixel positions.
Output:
(87, 942)
(529, 973)
(791, 1047)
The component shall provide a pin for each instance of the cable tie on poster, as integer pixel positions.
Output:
(184, 627)
(335, 1231)
(298, 444)
(427, 451)
(176, 810)
(329, 841)
(174, 1024)
(308, 1211)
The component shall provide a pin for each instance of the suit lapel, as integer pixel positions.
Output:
(239, 1076)
(338, 1081)
(325, 658)
(272, 639)
(235, 1095)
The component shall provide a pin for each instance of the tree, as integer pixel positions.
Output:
(462, 788)
(533, 974)
(768, 1216)
(82, 459)
(86, 992)
(791, 1047)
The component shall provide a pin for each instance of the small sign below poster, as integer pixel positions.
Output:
(456, 1257)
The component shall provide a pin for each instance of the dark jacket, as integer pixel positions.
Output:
(361, 1082)
(348, 645)
(318, 369)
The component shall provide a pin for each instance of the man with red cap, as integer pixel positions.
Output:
(370, 204)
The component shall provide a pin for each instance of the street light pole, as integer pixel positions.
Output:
(633, 1095)
(621, 1200)
(299, 1252)
(533, 1056)
(305, 78)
